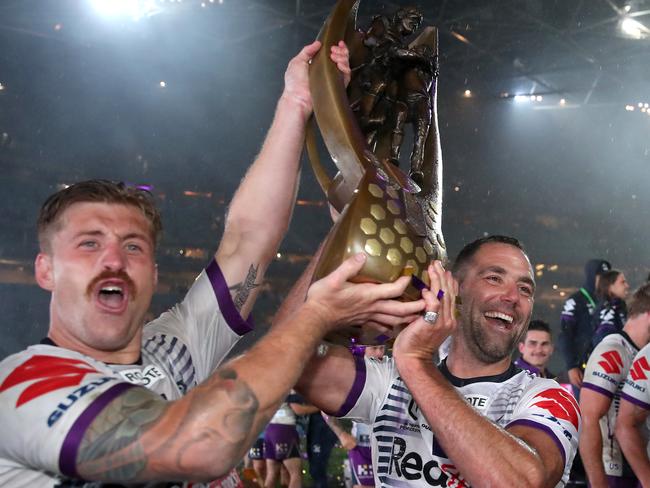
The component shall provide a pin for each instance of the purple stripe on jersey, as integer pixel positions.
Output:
(598, 389)
(238, 325)
(357, 387)
(636, 401)
(548, 430)
(70, 447)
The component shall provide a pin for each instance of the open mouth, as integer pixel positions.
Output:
(112, 296)
(500, 319)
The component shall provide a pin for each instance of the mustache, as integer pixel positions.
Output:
(117, 275)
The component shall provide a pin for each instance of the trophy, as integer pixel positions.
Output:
(392, 215)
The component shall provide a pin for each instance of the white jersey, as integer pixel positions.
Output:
(404, 451)
(637, 387)
(284, 415)
(50, 395)
(605, 373)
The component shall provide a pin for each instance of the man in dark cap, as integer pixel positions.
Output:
(576, 327)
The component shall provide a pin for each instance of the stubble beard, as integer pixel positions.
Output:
(485, 346)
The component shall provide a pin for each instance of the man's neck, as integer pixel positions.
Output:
(463, 364)
(128, 355)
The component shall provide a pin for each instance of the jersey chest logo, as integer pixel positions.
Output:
(48, 373)
(146, 377)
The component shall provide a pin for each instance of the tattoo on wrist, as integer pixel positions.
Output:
(241, 291)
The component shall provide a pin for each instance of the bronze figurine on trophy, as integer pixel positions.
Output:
(391, 214)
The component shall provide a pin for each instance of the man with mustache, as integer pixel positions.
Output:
(474, 419)
(104, 399)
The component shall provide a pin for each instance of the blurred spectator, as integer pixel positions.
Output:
(611, 312)
(576, 326)
(282, 446)
(536, 348)
(604, 378)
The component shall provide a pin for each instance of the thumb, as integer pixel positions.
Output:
(349, 268)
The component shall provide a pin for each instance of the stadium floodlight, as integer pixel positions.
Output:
(634, 29)
(133, 9)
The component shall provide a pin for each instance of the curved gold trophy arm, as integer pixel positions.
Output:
(341, 134)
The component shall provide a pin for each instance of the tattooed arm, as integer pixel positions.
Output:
(260, 211)
(139, 436)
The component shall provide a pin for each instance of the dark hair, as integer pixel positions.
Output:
(640, 301)
(467, 253)
(102, 191)
(539, 325)
(605, 281)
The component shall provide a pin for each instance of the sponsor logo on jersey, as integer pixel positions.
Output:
(611, 363)
(479, 402)
(75, 396)
(560, 404)
(411, 466)
(48, 373)
(639, 369)
(144, 377)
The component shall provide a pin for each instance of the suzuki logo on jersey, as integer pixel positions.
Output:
(145, 377)
(48, 373)
(638, 369)
(72, 398)
(560, 404)
(612, 362)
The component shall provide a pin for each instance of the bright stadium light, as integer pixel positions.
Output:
(134, 9)
(634, 29)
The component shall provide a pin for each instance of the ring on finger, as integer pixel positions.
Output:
(430, 317)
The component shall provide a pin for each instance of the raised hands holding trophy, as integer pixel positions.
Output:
(394, 216)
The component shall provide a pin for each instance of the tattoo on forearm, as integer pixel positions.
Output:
(241, 291)
(139, 436)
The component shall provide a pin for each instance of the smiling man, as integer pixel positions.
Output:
(536, 349)
(474, 419)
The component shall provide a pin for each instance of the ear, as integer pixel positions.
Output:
(521, 347)
(43, 271)
(155, 276)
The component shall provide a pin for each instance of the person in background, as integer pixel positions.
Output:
(631, 426)
(282, 446)
(536, 348)
(603, 382)
(576, 328)
(611, 313)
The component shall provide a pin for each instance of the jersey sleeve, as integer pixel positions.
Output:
(605, 368)
(371, 384)
(47, 403)
(206, 322)
(636, 387)
(549, 407)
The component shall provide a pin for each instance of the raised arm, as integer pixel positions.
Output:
(520, 455)
(629, 424)
(138, 436)
(261, 208)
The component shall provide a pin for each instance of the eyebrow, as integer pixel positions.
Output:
(501, 271)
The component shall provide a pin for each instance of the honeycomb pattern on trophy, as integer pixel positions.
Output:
(386, 233)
